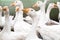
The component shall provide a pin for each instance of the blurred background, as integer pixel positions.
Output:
(28, 3)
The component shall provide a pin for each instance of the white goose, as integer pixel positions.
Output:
(49, 21)
(17, 3)
(42, 11)
(32, 34)
(6, 34)
(41, 5)
(20, 4)
(2, 19)
(20, 25)
(50, 30)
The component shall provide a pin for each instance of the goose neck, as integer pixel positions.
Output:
(7, 27)
(19, 16)
(21, 6)
(48, 13)
(34, 26)
(42, 8)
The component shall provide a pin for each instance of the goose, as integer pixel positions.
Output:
(6, 33)
(20, 4)
(20, 25)
(17, 3)
(2, 19)
(50, 30)
(51, 22)
(20, 17)
(47, 32)
(29, 20)
(33, 15)
(43, 14)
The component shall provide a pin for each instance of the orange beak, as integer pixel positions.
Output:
(26, 10)
(13, 4)
(5, 8)
(55, 6)
(35, 6)
(17, 9)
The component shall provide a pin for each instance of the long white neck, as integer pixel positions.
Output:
(42, 15)
(33, 34)
(19, 16)
(21, 6)
(45, 2)
(42, 8)
(48, 13)
(0, 17)
(7, 27)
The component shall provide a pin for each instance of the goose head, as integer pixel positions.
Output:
(52, 5)
(29, 11)
(55, 5)
(38, 4)
(5, 9)
(0, 8)
(16, 3)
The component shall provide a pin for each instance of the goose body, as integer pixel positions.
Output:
(50, 32)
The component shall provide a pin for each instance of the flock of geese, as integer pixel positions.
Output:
(18, 29)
